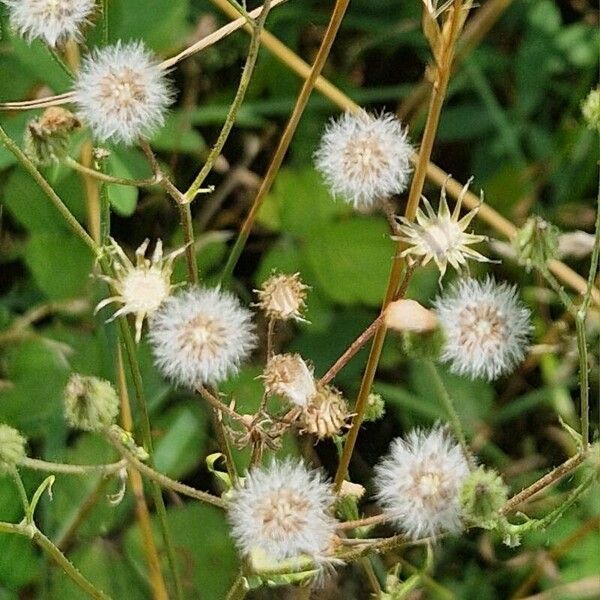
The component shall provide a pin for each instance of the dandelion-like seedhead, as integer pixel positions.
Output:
(53, 21)
(201, 335)
(486, 328)
(442, 236)
(287, 375)
(283, 297)
(419, 482)
(143, 287)
(283, 509)
(122, 93)
(364, 158)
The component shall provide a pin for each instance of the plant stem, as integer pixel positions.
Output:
(32, 532)
(548, 479)
(71, 162)
(68, 469)
(22, 492)
(238, 589)
(160, 478)
(398, 265)
(448, 403)
(326, 44)
(257, 27)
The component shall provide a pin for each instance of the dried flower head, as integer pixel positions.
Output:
(486, 328)
(419, 482)
(441, 236)
(53, 21)
(91, 404)
(46, 138)
(287, 375)
(122, 93)
(364, 158)
(12, 448)
(326, 413)
(283, 297)
(143, 287)
(283, 510)
(201, 335)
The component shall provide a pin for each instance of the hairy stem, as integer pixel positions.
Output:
(68, 469)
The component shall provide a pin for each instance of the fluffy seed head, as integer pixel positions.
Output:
(283, 297)
(283, 510)
(364, 158)
(441, 236)
(486, 328)
(326, 413)
(53, 21)
(91, 404)
(121, 93)
(418, 484)
(143, 287)
(201, 335)
(289, 376)
(12, 448)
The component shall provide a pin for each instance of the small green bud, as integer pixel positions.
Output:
(482, 496)
(46, 139)
(590, 109)
(91, 404)
(536, 243)
(12, 448)
(427, 345)
(375, 408)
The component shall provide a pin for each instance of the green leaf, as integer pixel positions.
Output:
(177, 135)
(126, 164)
(47, 251)
(351, 260)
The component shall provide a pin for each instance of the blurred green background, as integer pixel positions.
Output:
(512, 120)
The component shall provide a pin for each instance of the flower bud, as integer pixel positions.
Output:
(482, 496)
(536, 243)
(375, 408)
(409, 315)
(590, 109)
(46, 138)
(355, 490)
(289, 376)
(91, 404)
(326, 414)
(12, 448)
(283, 297)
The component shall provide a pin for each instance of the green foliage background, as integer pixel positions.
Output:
(512, 120)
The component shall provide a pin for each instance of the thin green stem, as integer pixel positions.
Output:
(257, 27)
(57, 58)
(448, 403)
(68, 469)
(32, 532)
(22, 491)
(71, 162)
(339, 11)
(584, 384)
(50, 193)
(160, 478)
(105, 22)
(238, 589)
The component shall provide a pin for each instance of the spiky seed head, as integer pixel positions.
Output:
(283, 297)
(287, 375)
(326, 413)
(441, 237)
(590, 109)
(486, 328)
(46, 138)
(141, 287)
(482, 496)
(12, 448)
(201, 335)
(53, 21)
(364, 158)
(419, 482)
(122, 93)
(283, 510)
(536, 243)
(91, 404)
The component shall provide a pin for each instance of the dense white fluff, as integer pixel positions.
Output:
(53, 21)
(283, 510)
(122, 93)
(364, 158)
(201, 335)
(486, 328)
(419, 482)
